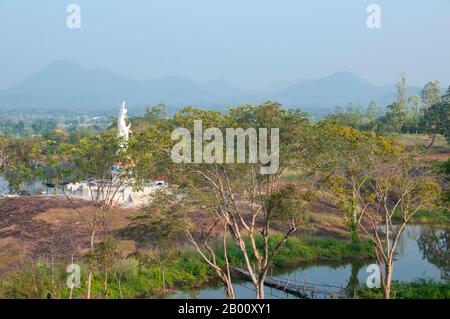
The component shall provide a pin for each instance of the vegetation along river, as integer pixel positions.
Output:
(422, 253)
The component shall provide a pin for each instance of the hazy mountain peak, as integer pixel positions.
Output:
(66, 85)
(63, 63)
(343, 76)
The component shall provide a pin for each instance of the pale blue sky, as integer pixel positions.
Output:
(251, 43)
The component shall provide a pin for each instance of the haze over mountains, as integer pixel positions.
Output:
(65, 85)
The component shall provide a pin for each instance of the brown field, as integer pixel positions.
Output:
(35, 227)
(440, 150)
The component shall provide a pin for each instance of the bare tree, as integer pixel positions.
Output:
(248, 205)
(205, 246)
(397, 190)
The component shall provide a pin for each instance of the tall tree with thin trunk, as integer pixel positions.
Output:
(373, 111)
(398, 188)
(397, 110)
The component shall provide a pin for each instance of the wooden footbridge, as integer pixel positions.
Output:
(301, 289)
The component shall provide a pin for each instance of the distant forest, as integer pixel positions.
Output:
(420, 113)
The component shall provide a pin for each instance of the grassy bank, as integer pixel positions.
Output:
(128, 278)
(427, 217)
(419, 289)
(299, 250)
(131, 278)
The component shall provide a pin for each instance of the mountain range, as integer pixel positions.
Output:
(65, 85)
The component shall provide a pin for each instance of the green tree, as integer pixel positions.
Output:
(156, 113)
(234, 196)
(402, 92)
(397, 110)
(436, 119)
(431, 94)
(19, 167)
(413, 115)
(396, 116)
(103, 258)
(19, 128)
(165, 218)
(373, 110)
(342, 157)
(90, 160)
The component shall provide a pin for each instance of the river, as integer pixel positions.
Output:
(422, 253)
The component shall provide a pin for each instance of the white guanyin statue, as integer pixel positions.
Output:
(123, 128)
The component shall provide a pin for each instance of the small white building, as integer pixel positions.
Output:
(124, 195)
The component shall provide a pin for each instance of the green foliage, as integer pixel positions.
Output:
(288, 204)
(94, 156)
(443, 168)
(418, 289)
(156, 113)
(104, 255)
(431, 94)
(354, 117)
(33, 281)
(341, 156)
(19, 168)
(299, 250)
(396, 116)
(436, 119)
(322, 249)
(127, 279)
(44, 124)
(428, 217)
(165, 218)
(136, 277)
(328, 153)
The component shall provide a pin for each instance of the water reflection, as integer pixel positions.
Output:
(434, 247)
(354, 282)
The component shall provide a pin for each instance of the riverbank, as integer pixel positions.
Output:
(306, 249)
(135, 278)
(441, 219)
(418, 289)
(41, 226)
